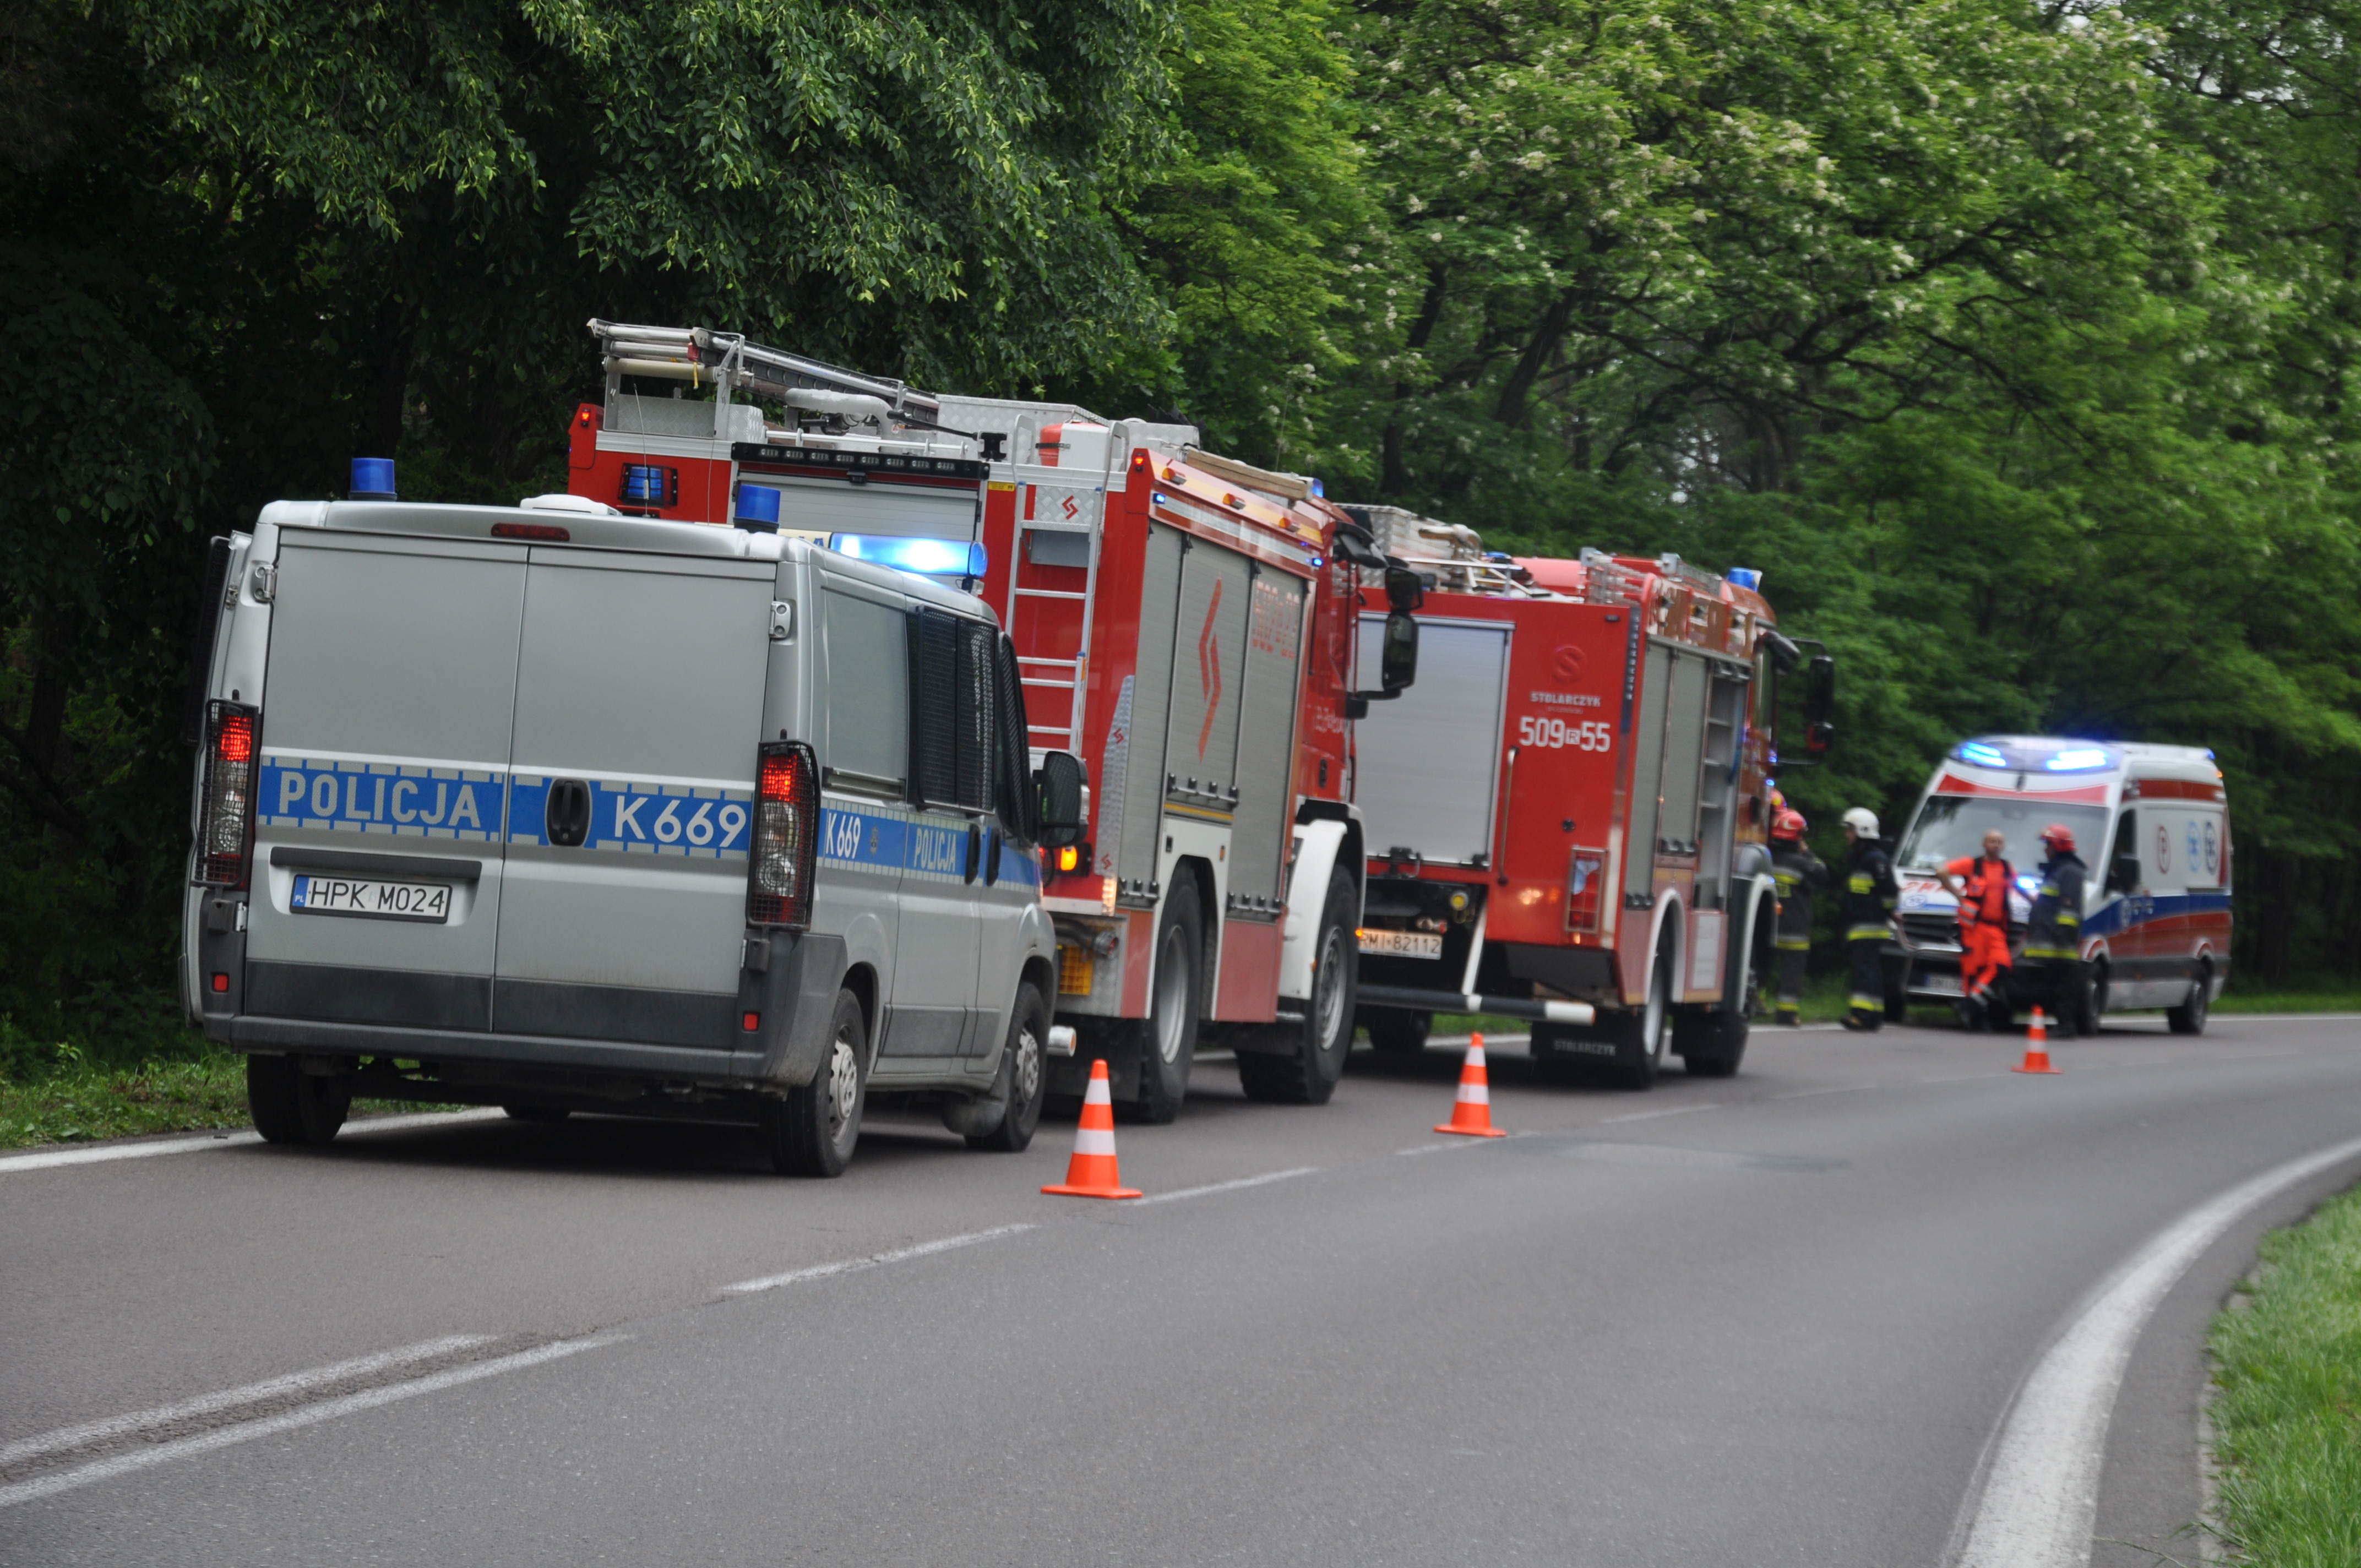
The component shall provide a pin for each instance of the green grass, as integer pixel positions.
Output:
(2288, 1424)
(2332, 996)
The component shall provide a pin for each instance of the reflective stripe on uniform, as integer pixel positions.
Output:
(1861, 882)
(2067, 953)
(1868, 933)
(1793, 944)
(1866, 1004)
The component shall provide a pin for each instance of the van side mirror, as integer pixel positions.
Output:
(1058, 784)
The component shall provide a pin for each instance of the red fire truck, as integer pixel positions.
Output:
(1183, 622)
(1567, 817)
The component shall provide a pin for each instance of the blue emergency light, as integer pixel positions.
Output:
(1982, 755)
(1746, 577)
(373, 480)
(758, 509)
(1319, 489)
(2080, 759)
(928, 557)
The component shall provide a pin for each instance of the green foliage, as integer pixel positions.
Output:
(2288, 1424)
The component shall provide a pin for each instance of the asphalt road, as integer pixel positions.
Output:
(1770, 1320)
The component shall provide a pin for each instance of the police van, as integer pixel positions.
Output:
(2150, 822)
(560, 809)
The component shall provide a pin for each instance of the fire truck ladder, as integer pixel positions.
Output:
(729, 361)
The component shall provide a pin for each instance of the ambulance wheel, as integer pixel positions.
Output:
(292, 1106)
(1394, 1033)
(1024, 1081)
(812, 1132)
(2189, 1018)
(1167, 1037)
(1308, 1075)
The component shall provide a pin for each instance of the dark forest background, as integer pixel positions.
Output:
(2012, 342)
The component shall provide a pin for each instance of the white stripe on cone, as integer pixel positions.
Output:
(1098, 1094)
(1094, 1140)
(1475, 1094)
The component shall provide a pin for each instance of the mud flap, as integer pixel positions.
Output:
(795, 995)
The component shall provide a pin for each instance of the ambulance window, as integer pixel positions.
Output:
(2122, 858)
(867, 731)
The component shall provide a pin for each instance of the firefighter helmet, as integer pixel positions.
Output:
(2058, 836)
(1787, 825)
(1862, 820)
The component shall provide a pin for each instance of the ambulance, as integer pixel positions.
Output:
(2151, 823)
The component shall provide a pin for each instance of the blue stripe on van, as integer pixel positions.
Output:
(703, 822)
(2109, 919)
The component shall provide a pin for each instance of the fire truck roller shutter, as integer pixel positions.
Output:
(1143, 764)
(1647, 772)
(1201, 745)
(1685, 713)
(902, 512)
(1429, 759)
(1265, 745)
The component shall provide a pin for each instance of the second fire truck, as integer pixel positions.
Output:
(1567, 819)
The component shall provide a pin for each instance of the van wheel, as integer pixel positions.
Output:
(1167, 1037)
(1023, 1080)
(813, 1130)
(2189, 1018)
(1308, 1075)
(292, 1106)
(1394, 1033)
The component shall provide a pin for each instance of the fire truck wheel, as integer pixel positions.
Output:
(1167, 1037)
(1394, 1033)
(1024, 1076)
(812, 1132)
(1308, 1075)
(1711, 1044)
(292, 1106)
(1640, 1050)
(2189, 1018)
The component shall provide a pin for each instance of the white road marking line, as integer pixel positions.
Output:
(855, 1265)
(1449, 1148)
(288, 1421)
(49, 1158)
(1841, 1088)
(85, 1433)
(1261, 1180)
(2040, 1491)
(1652, 1116)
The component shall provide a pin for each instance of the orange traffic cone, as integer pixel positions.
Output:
(1092, 1172)
(1472, 1113)
(2036, 1047)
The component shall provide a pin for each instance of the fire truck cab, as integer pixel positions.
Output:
(1567, 817)
(2152, 824)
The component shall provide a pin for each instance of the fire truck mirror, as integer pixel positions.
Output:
(1820, 698)
(1405, 591)
(1785, 655)
(1397, 664)
(1059, 783)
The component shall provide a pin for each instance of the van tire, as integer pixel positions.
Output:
(2189, 1018)
(813, 1131)
(1024, 1080)
(292, 1106)
(1167, 1035)
(1308, 1074)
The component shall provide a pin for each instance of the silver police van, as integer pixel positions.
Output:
(558, 809)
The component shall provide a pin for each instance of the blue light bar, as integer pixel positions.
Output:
(928, 557)
(372, 480)
(2031, 885)
(2081, 758)
(1746, 577)
(1979, 753)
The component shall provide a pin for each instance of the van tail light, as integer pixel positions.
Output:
(227, 829)
(786, 836)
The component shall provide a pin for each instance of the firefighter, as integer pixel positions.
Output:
(1871, 895)
(1981, 883)
(1799, 874)
(2052, 960)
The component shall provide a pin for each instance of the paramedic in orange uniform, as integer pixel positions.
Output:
(1981, 883)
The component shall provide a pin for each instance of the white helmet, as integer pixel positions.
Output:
(1863, 821)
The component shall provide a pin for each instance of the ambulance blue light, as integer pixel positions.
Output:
(928, 557)
(1746, 577)
(2031, 885)
(2077, 761)
(1979, 753)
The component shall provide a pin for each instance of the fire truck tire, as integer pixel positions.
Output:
(1640, 1054)
(812, 1132)
(1024, 1076)
(1308, 1075)
(1168, 1037)
(1396, 1033)
(1711, 1044)
(292, 1106)
(2189, 1018)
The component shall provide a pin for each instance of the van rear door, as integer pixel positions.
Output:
(639, 705)
(385, 745)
